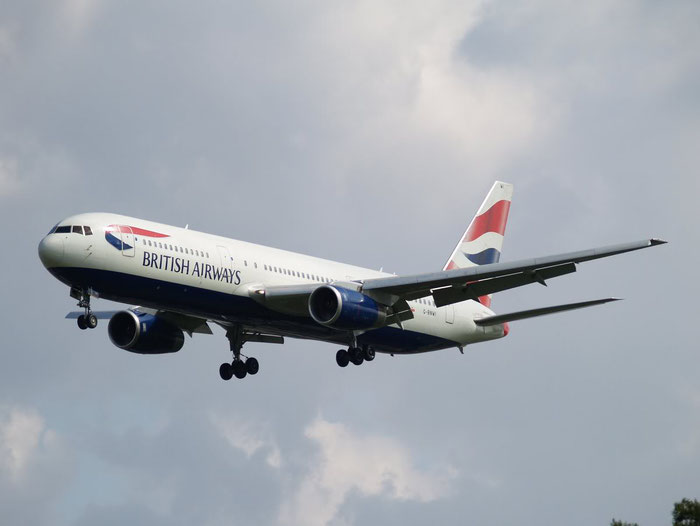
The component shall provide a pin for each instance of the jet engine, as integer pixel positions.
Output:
(341, 308)
(143, 333)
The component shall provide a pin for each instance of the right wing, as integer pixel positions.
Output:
(532, 313)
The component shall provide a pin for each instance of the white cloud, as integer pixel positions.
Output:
(369, 464)
(248, 438)
(21, 434)
(395, 77)
(79, 13)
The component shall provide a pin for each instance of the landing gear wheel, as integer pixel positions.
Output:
(356, 355)
(252, 366)
(239, 369)
(368, 354)
(226, 371)
(342, 358)
(91, 321)
(82, 324)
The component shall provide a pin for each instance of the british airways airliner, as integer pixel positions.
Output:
(184, 280)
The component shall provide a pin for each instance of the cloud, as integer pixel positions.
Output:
(35, 466)
(367, 464)
(21, 434)
(7, 43)
(248, 438)
(9, 178)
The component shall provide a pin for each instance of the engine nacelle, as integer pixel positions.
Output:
(342, 308)
(144, 333)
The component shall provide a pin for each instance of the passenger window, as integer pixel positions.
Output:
(144, 242)
(77, 229)
(62, 230)
(255, 265)
(88, 230)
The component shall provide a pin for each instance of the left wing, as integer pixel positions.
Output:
(448, 286)
(453, 286)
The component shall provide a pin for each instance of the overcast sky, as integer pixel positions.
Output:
(366, 132)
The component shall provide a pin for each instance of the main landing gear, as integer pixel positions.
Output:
(87, 320)
(354, 354)
(238, 367)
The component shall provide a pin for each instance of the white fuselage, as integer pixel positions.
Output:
(175, 269)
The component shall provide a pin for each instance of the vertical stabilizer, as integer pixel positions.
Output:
(481, 244)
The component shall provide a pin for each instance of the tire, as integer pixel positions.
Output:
(356, 356)
(252, 366)
(82, 324)
(91, 321)
(226, 371)
(368, 354)
(342, 358)
(239, 369)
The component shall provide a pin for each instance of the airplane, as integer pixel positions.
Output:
(183, 280)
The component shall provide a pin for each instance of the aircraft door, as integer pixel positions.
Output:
(128, 241)
(225, 259)
(450, 314)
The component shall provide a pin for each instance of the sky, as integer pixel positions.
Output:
(365, 132)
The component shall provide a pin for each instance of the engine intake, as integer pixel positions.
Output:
(144, 333)
(342, 308)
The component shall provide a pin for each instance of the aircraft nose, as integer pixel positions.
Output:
(51, 250)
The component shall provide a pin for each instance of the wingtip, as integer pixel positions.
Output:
(656, 241)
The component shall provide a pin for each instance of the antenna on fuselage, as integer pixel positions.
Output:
(187, 226)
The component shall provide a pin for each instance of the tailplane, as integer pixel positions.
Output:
(481, 244)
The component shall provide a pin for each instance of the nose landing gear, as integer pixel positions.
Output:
(87, 320)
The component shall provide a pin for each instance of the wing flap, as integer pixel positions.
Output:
(472, 291)
(532, 313)
(419, 285)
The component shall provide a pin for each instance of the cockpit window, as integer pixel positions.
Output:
(62, 229)
(77, 229)
(88, 230)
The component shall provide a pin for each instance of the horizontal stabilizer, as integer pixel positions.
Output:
(532, 313)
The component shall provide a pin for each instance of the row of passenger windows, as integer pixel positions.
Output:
(175, 248)
(425, 301)
(296, 273)
(76, 229)
(202, 253)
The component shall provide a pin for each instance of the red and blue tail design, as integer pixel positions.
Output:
(481, 244)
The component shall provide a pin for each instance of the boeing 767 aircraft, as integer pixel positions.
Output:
(182, 280)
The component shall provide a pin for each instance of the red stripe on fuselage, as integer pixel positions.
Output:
(134, 230)
(493, 220)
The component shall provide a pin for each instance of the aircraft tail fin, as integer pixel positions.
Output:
(481, 244)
